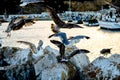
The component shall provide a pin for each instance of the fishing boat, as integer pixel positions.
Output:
(91, 22)
(109, 25)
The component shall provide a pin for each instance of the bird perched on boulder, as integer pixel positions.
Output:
(35, 51)
(106, 51)
(63, 57)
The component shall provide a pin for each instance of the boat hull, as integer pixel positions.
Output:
(90, 24)
(109, 25)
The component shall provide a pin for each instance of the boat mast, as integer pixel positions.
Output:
(70, 9)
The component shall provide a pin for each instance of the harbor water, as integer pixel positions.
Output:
(99, 39)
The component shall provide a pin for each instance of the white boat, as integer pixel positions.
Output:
(109, 25)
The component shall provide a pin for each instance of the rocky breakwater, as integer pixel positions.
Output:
(20, 64)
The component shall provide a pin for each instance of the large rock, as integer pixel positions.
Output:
(55, 72)
(14, 55)
(45, 62)
(80, 60)
(14, 64)
(115, 58)
(49, 50)
(102, 69)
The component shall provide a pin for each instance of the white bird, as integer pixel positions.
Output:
(36, 51)
(66, 41)
(62, 57)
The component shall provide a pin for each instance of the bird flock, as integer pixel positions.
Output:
(17, 23)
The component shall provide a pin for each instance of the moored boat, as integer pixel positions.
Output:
(109, 25)
(91, 22)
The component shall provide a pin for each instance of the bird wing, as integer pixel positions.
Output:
(69, 25)
(58, 21)
(73, 53)
(15, 24)
(40, 44)
(29, 22)
(31, 45)
(62, 37)
(57, 43)
(78, 51)
(60, 45)
(79, 37)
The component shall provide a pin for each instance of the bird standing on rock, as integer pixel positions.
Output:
(106, 51)
(35, 51)
(63, 57)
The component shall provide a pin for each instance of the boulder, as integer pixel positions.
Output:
(102, 69)
(46, 61)
(57, 71)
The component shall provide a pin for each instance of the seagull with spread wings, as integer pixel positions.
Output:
(63, 57)
(66, 41)
(18, 23)
(35, 51)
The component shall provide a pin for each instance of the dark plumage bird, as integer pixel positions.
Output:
(77, 52)
(17, 23)
(58, 21)
(63, 57)
(64, 39)
(105, 51)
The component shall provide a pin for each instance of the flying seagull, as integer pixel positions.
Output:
(63, 57)
(64, 39)
(17, 23)
(58, 21)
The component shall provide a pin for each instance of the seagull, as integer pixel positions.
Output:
(54, 16)
(36, 51)
(64, 39)
(58, 21)
(63, 57)
(62, 36)
(106, 51)
(17, 23)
